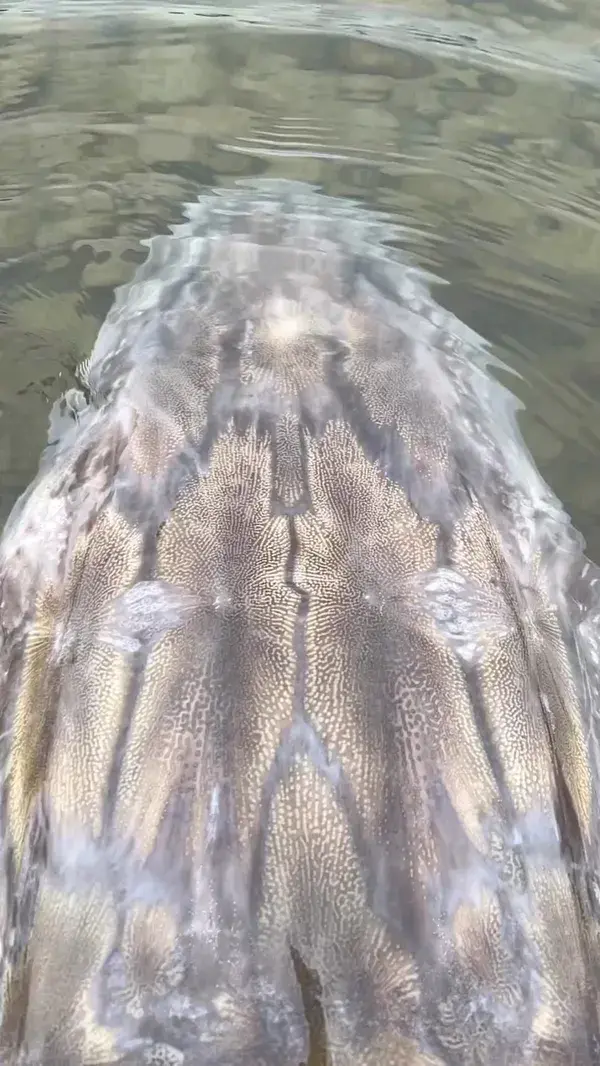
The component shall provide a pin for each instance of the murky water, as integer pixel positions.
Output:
(477, 124)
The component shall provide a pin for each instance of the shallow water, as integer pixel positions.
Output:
(477, 125)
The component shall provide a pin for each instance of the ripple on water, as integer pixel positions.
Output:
(475, 125)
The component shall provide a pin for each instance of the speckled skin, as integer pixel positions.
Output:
(298, 686)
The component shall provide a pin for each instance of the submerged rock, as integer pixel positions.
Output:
(299, 680)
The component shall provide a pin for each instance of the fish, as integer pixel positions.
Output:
(299, 678)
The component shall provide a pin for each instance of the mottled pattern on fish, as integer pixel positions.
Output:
(298, 681)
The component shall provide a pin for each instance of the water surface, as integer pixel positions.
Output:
(477, 125)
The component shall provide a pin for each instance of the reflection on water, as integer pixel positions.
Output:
(476, 124)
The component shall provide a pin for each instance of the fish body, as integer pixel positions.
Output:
(298, 680)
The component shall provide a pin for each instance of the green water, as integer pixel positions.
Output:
(476, 124)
